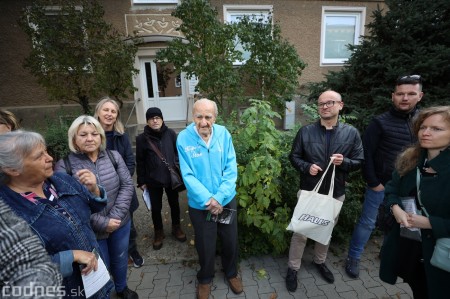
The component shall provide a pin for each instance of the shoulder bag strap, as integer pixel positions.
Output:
(418, 175)
(111, 157)
(158, 152)
(67, 165)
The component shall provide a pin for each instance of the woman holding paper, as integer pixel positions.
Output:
(153, 175)
(427, 163)
(56, 207)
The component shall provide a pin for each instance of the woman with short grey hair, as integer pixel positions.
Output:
(55, 206)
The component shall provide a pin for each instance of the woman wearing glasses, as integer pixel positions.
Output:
(153, 174)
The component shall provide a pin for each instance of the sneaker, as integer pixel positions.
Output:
(291, 280)
(235, 284)
(127, 294)
(137, 259)
(325, 272)
(352, 267)
(203, 290)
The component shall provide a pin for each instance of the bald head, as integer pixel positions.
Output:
(205, 103)
(330, 94)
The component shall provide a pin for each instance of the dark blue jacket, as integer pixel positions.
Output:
(58, 234)
(386, 136)
(122, 144)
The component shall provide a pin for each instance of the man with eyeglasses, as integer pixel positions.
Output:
(153, 173)
(385, 137)
(312, 149)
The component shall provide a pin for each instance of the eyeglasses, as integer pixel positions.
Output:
(327, 104)
(409, 79)
(155, 118)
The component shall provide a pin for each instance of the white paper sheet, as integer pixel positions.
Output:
(95, 280)
(146, 197)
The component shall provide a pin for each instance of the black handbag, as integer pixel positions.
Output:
(177, 183)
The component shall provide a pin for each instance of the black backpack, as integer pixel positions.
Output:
(69, 166)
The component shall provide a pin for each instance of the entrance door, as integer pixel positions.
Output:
(162, 88)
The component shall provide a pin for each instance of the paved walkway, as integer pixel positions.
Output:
(170, 273)
(263, 277)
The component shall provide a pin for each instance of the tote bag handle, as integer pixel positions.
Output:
(319, 183)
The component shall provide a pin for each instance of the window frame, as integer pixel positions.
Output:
(248, 10)
(341, 11)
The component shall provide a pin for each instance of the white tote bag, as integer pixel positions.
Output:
(315, 213)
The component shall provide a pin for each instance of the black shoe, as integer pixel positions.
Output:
(137, 259)
(291, 280)
(127, 294)
(352, 267)
(325, 272)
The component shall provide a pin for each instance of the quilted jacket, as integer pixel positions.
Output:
(118, 185)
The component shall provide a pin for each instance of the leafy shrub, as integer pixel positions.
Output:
(55, 134)
(261, 153)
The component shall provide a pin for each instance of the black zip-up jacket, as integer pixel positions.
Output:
(150, 169)
(386, 136)
(310, 147)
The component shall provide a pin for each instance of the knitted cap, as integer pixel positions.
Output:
(152, 112)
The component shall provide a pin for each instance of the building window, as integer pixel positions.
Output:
(341, 26)
(155, 1)
(256, 13)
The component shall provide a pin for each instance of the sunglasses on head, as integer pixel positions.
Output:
(409, 79)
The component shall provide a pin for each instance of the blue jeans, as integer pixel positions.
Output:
(115, 251)
(366, 222)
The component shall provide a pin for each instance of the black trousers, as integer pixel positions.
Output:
(410, 267)
(206, 233)
(156, 195)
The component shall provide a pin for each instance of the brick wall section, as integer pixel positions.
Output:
(299, 21)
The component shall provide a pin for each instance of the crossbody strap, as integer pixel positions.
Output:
(158, 152)
(418, 175)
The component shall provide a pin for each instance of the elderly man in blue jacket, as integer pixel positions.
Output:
(209, 169)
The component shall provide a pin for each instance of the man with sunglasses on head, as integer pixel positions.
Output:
(385, 137)
(312, 149)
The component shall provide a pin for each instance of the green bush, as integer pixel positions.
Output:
(55, 134)
(263, 170)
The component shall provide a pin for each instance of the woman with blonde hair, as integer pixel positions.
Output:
(422, 174)
(87, 143)
(107, 112)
